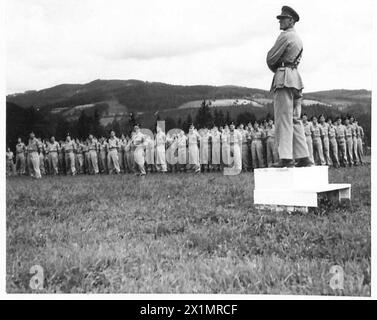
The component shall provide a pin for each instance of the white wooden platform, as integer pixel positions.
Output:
(296, 188)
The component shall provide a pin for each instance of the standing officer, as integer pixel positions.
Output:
(245, 147)
(235, 145)
(102, 155)
(341, 138)
(33, 148)
(317, 142)
(112, 153)
(20, 157)
(283, 59)
(333, 144)
(138, 142)
(53, 149)
(308, 135)
(349, 140)
(324, 128)
(193, 151)
(69, 148)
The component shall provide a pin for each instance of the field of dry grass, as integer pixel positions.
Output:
(182, 233)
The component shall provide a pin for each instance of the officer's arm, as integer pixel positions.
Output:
(275, 53)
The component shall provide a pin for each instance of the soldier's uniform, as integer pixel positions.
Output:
(225, 149)
(130, 155)
(112, 155)
(61, 157)
(93, 158)
(85, 152)
(20, 158)
(123, 144)
(282, 59)
(308, 137)
(138, 141)
(256, 148)
(33, 155)
(317, 144)
(272, 154)
(53, 150)
(341, 139)
(333, 145)
(80, 158)
(69, 147)
(160, 141)
(324, 128)
(349, 143)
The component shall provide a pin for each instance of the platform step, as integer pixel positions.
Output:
(302, 197)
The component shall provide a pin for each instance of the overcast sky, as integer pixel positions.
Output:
(50, 42)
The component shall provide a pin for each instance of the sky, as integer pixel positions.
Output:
(50, 42)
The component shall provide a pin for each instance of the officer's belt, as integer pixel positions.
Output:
(287, 65)
(20, 152)
(69, 151)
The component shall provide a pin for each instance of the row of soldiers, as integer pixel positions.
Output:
(245, 148)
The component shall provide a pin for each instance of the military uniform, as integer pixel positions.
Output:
(324, 128)
(69, 148)
(333, 145)
(93, 158)
(204, 151)
(112, 155)
(256, 148)
(282, 59)
(341, 139)
(20, 158)
(53, 150)
(235, 144)
(317, 144)
(271, 151)
(33, 155)
(103, 156)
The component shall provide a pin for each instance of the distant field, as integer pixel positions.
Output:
(182, 233)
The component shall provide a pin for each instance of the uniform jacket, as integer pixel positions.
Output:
(286, 49)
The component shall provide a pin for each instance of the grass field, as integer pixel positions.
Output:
(182, 233)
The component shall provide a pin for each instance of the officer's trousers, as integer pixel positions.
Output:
(93, 160)
(53, 162)
(318, 151)
(34, 169)
(289, 136)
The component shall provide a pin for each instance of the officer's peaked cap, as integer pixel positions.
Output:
(288, 12)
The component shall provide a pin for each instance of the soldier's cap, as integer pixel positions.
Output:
(288, 12)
